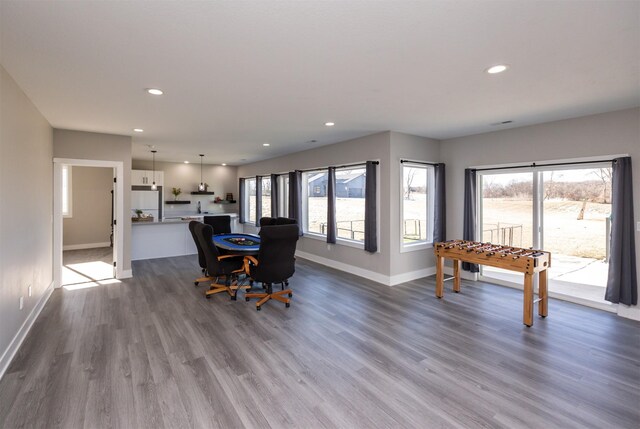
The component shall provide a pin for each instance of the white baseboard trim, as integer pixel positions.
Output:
(367, 274)
(412, 275)
(85, 246)
(463, 274)
(627, 312)
(360, 272)
(15, 344)
(126, 274)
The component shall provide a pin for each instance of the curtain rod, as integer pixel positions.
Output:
(402, 161)
(534, 165)
(319, 168)
(338, 166)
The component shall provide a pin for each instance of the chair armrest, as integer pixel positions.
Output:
(251, 259)
(247, 261)
(220, 258)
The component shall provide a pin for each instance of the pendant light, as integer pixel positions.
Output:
(154, 187)
(201, 187)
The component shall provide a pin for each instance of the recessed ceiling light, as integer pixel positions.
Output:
(329, 124)
(138, 130)
(266, 144)
(186, 162)
(154, 91)
(224, 164)
(498, 68)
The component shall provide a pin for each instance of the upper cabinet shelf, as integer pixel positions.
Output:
(202, 193)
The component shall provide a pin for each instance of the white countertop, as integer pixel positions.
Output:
(172, 220)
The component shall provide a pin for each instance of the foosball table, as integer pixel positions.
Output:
(527, 261)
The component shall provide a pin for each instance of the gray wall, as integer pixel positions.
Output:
(373, 147)
(91, 206)
(26, 207)
(405, 146)
(221, 179)
(597, 135)
(102, 147)
(389, 148)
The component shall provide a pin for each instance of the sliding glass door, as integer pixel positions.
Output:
(563, 210)
(506, 207)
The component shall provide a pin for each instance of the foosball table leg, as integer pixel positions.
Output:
(456, 275)
(439, 276)
(527, 311)
(543, 294)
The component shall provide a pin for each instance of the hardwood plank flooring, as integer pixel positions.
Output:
(349, 353)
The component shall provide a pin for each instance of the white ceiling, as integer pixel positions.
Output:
(237, 74)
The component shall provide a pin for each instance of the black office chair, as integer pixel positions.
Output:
(220, 224)
(285, 221)
(229, 267)
(201, 259)
(267, 221)
(275, 262)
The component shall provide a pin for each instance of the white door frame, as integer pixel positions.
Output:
(118, 238)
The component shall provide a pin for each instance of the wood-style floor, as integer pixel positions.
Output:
(151, 352)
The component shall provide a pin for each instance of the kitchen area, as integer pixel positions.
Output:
(160, 216)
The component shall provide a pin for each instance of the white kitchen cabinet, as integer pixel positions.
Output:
(145, 178)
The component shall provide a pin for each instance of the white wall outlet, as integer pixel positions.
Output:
(30, 291)
(21, 302)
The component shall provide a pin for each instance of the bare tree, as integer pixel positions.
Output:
(604, 174)
(411, 174)
(549, 187)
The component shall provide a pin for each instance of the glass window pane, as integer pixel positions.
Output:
(283, 193)
(316, 191)
(66, 190)
(507, 209)
(350, 192)
(251, 199)
(414, 204)
(266, 197)
(576, 226)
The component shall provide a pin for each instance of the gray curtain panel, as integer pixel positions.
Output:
(241, 204)
(295, 198)
(332, 229)
(370, 208)
(470, 214)
(440, 216)
(622, 283)
(274, 195)
(258, 199)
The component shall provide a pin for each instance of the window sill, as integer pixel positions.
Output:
(404, 248)
(339, 241)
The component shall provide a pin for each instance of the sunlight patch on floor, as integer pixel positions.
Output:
(87, 285)
(86, 272)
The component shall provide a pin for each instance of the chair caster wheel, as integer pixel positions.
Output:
(195, 283)
(290, 295)
(233, 298)
(246, 299)
(208, 296)
(258, 308)
(286, 283)
(287, 305)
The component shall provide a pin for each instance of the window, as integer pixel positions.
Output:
(350, 206)
(67, 206)
(314, 201)
(283, 195)
(266, 197)
(250, 192)
(417, 205)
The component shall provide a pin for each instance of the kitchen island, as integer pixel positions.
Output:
(167, 237)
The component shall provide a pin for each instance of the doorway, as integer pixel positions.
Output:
(87, 240)
(565, 210)
(87, 225)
